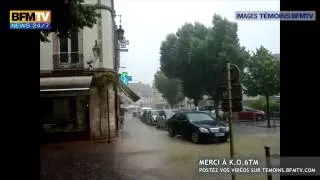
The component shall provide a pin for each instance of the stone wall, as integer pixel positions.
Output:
(102, 114)
(94, 111)
(112, 114)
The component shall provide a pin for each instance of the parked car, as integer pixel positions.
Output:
(197, 126)
(161, 122)
(151, 116)
(250, 114)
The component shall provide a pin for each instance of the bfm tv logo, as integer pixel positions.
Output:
(34, 19)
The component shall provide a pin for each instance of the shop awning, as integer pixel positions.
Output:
(75, 83)
(128, 92)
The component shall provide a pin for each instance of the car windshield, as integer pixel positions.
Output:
(169, 114)
(154, 113)
(196, 117)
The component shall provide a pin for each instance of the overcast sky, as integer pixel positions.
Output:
(147, 22)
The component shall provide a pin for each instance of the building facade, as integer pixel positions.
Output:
(158, 102)
(79, 84)
(144, 91)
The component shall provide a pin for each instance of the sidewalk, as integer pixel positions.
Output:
(78, 160)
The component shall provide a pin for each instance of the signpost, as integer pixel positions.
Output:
(123, 50)
(123, 44)
(232, 99)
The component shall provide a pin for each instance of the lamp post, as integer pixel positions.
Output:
(120, 31)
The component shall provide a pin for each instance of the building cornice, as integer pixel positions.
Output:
(97, 6)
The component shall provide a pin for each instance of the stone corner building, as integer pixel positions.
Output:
(79, 90)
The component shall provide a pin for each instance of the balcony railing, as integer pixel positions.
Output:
(68, 60)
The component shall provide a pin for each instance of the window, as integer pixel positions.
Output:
(74, 48)
(69, 48)
(73, 109)
(63, 50)
(193, 117)
(46, 110)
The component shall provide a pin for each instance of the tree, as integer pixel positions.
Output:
(262, 76)
(181, 58)
(70, 17)
(170, 64)
(222, 45)
(169, 88)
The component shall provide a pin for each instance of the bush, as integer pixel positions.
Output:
(261, 104)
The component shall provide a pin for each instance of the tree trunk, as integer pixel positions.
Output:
(268, 110)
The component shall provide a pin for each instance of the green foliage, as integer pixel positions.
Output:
(170, 89)
(263, 75)
(170, 65)
(222, 45)
(261, 104)
(78, 17)
(197, 55)
(182, 58)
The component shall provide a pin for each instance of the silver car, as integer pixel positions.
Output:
(162, 120)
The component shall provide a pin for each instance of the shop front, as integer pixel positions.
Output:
(64, 108)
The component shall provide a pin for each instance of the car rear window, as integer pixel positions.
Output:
(198, 117)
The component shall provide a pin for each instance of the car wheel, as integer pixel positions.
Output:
(195, 137)
(171, 132)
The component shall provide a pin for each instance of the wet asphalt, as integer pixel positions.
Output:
(145, 152)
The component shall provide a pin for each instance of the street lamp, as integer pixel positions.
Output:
(120, 31)
(96, 50)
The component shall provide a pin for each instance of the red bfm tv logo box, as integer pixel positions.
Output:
(30, 16)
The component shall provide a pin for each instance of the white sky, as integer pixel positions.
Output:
(147, 22)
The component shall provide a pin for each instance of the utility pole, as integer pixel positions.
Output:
(231, 90)
(230, 114)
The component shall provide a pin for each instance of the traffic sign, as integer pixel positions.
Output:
(234, 73)
(123, 50)
(236, 91)
(125, 42)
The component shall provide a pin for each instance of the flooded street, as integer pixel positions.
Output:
(144, 152)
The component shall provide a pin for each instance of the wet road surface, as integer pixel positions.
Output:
(144, 152)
